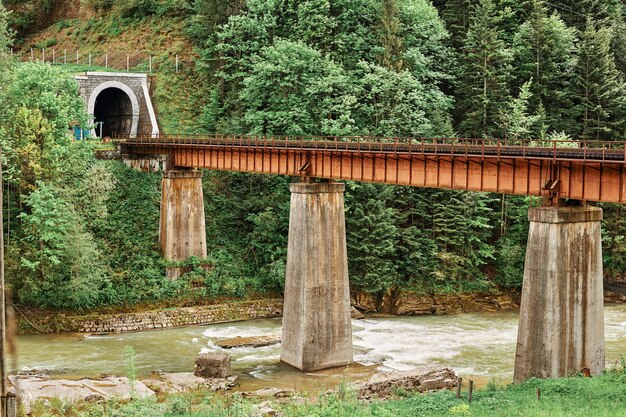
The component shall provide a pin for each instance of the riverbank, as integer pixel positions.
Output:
(232, 310)
(589, 397)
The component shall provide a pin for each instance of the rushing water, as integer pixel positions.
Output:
(478, 344)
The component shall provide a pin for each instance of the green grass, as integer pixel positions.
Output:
(600, 396)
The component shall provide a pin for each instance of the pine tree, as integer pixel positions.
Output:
(455, 14)
(392, 43)
(371, 236)
(599, 85)
(485, 68)
(576, 12)
(544, 52)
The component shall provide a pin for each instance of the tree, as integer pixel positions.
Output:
(455, 13)
(391, 57)
(6, 38)
(291, 89)
(576, 12)
(397, 104)
(371, 237)
(60, 265)
(544, 51)
(516, 122)
(599, 85)
(485, 69)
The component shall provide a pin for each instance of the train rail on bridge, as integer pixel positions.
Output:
(582, 170)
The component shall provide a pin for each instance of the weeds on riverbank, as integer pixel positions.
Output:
(600, 396)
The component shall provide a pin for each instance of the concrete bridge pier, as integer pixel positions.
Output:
(317, 331)
(561, 327)
(182, 230)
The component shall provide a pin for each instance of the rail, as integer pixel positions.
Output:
(557, 150)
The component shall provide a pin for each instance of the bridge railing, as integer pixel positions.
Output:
(593, 151)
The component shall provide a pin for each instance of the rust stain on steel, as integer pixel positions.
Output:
(593, 171)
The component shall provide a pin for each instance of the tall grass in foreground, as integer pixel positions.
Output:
(600, 396)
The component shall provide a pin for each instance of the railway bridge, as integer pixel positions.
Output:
(561, 327)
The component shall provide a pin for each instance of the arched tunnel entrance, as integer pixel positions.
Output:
(114, 110)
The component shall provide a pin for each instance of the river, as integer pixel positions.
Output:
(478, 345)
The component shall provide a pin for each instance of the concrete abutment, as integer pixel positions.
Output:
(317, 329)
(182, 229)
(561, 327)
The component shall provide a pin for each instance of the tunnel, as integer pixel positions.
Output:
(114, 110)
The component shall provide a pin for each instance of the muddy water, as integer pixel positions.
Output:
(481, 345)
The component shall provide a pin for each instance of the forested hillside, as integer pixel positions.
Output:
(83, 233)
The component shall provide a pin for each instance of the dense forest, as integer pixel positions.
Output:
(83, 233)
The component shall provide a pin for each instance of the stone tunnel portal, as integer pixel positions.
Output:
(114, 110)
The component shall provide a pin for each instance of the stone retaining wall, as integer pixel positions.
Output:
(157, 319)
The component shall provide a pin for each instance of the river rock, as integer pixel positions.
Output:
(265, 409)
(252, 341)
(271, 392)
(356, 314)
(33, 388)
(186, 381)
(430, 379)
(212, 365)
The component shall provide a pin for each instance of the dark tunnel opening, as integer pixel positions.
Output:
(114, 110)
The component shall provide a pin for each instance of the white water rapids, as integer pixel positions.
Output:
(476, 344)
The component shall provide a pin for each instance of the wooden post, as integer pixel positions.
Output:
(43, 55)
(77, 57)
(54, 56)
(8, 408)
(538, 393)
(32, 55)
(3, 324)
(65, 56)
(459, 383)
(127, 63)
(106, 60)
(470, 392)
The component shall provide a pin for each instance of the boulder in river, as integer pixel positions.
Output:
(212, 365)
(252, 341)
(356, 314)
(186, 381)
(429, 379)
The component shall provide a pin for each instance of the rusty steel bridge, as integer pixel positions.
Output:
(580, 170)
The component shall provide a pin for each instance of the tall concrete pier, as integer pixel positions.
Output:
(317, 331)
(561, 328)
(182, 230)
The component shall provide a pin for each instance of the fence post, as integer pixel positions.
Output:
(54, 56)
(65, 56)
(43, 55)
(127, 63)
(106, 60)
(77, 57)
(8, 405)
(32, 55)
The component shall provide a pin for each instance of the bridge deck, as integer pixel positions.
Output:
(584, 170)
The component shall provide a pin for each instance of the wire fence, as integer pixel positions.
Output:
(137, 62)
